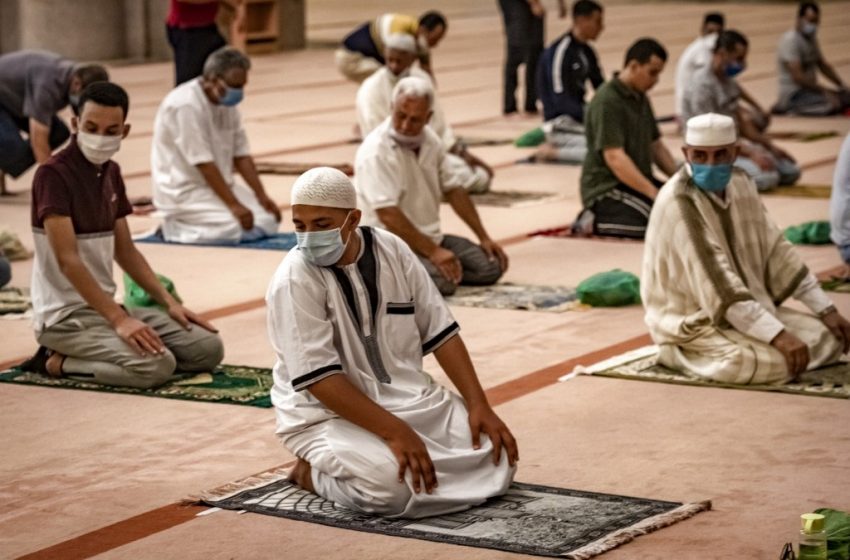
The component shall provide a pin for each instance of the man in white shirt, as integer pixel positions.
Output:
(352, 312)
(374, 102)
(716, 271)
(198, 143)
(402, 174)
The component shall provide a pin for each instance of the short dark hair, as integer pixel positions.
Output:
(729, 39)
(584, 8)
(106, 94)
(806, 6)
(90, 73)
(433, 19)
(714, 17)
(643, 49)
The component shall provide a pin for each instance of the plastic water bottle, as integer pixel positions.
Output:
(812, 537)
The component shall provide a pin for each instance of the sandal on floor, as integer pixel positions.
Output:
(38, 363)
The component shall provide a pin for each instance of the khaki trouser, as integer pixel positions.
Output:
(729, 356)
(94, 351)
(354, 65)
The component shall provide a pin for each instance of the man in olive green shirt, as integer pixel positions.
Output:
(623, 141)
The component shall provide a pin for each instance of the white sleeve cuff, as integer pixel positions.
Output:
(752, 319)
(810, 294)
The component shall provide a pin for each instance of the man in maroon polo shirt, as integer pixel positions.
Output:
(194, 35)
(79, 209)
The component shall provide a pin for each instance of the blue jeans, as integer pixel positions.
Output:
(5, 271)
(785, 172)
(15, 151)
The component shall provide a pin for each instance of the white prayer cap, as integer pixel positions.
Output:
(324, 186)
(414, 86)
(710, 130)
(401, 42)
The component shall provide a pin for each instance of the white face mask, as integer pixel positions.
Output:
(409, 142)
(98, 148)
(322, 248)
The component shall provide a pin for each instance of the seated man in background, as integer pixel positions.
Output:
(374, 103)
(800, 59)
(352, 399)
(402, 174)
(362, 50)
(198, 140)
(79, 209)
(34, 87)
(623, 141)
(716, 271)
(839, 206)
(714, 89)
(562, 75)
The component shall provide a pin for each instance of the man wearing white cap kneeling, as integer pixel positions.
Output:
(716, 271)
(352, 312)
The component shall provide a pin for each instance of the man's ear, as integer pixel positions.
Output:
(126, 131)
(356, 215)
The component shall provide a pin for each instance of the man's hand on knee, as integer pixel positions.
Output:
(482, 419)
(795, 352)
(141, 338)
(838, 326)
(411, 453)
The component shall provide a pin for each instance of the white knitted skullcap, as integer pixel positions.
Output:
(401, 42)
(324, 186)
(710, 130)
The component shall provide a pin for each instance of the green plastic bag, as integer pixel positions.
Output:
(837, 527)
(531, 138)
(610, 289)
(810, 233)
(136, 296)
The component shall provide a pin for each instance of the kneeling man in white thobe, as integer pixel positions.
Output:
(352, 312)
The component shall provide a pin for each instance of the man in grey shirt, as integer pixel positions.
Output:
(800, 58)
(34, 86)
(714, 89)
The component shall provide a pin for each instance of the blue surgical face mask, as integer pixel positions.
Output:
(733, 69)
(231, 97)
(809, 29)
(322, 248)
(711, 178)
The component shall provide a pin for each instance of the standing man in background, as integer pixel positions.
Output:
(194, 35)
(524, 36)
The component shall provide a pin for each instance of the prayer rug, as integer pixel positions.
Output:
(475, 141)
(525, 297)
(566, 232)
(642, 365)
(529, 519)
(14, 301)
(227, 384)
(803, 136)
(276, 242)
(513, 199)
(839, 285)
(801, 191)
(279, 168)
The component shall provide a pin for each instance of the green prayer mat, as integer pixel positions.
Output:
(809, 233)
(227, 384)
(642, 365)
(613, 288)
(839, 285)
(524, 297)
(14, 301)
(801, 191)
(530, 139)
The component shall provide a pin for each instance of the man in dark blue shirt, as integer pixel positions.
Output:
(565, 68)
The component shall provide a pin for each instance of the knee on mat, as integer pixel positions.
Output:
(205, 354)
(487, 275)
(766, 180)
(789, 174)
(154, 371)
(382, 493)
(445, 287)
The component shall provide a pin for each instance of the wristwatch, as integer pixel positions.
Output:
(826, 311)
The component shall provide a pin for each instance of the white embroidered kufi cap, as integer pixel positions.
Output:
(324, 186)
(710, 130)
(401, 42)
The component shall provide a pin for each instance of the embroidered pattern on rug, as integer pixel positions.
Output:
(228, 384)
(276, 242)
(525, 297)
(529, 519)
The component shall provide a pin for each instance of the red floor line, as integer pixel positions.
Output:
(161, 519)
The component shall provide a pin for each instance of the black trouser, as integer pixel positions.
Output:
(16, 154)
(623, 212)
(524, 35)
(191, 48)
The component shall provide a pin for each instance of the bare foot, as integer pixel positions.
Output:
(300, 475)
(54, 364)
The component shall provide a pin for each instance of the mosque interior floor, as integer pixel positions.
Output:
(95, 474)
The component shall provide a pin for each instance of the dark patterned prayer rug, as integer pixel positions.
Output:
(14, 301)
(512, 199)
(276, 242)
(642, 365)
(525, 297)
(228, 385)
(529, 519)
